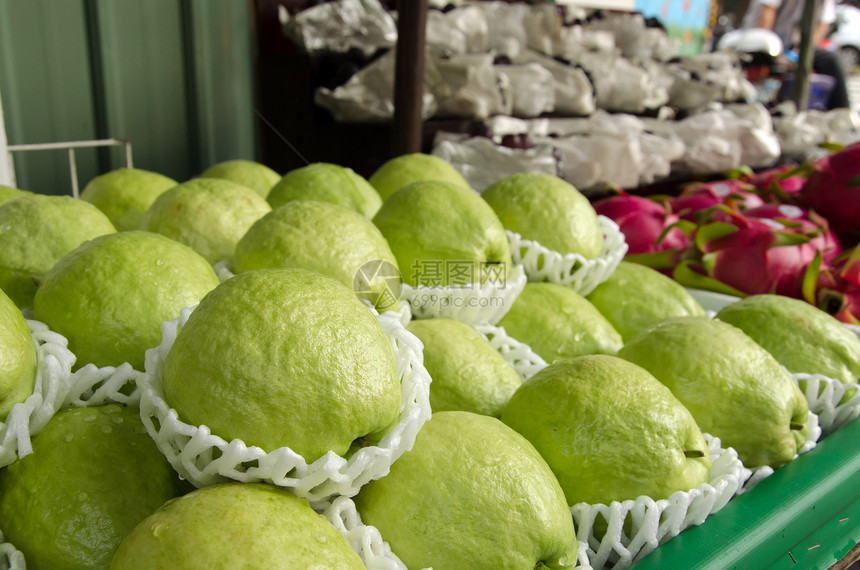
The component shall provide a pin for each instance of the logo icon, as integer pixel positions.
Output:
(378, 282)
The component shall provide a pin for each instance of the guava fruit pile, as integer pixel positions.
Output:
(281, 407)
(789, 230)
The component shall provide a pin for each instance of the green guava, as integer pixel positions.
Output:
(468, 374)
(284, 357)
(417, 167)
(609, 430)
(109, 296)
(258, 177)
(125, 194)
(546, 209)
(557, 322)
(472, 493)
(733, 387)
(635, 297)
(235, 525)
(442, 234)
(802, 337)
(7, 193)
(327, 182)
(17, 357)
(35, 232)
(209, 215)
(322, 237)
(94, 474)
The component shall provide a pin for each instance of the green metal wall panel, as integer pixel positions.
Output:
(139, 45)
(175, 77)
(223, 54)
(47, 89)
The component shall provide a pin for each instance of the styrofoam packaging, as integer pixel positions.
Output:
(473, 304)
(572, 269)
(652, 523)
(203, 458)
(10, 557)
(519, 355)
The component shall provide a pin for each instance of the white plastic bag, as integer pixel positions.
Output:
(462, 30)
(368, 96)
(532, 88)
(573, 91)
(468, 86)
(339, 26)
(483, 162)
(506, 27)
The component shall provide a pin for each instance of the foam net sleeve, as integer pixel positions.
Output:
(571, 269)
(650, 522)
(518, 354)
(54, 363)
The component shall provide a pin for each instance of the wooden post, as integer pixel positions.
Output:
(808, 25)
(409, 76)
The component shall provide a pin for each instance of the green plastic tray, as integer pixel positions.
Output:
(804, 516)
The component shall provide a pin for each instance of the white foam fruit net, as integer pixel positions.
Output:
(10, 557)
(57, 387)
(572, 269)
(473, 304)
(203, 458)
(650, 522)
(364, 539)
(518, 354)
(403, 313)
(825, 397)
(223, 271)
(51, 386)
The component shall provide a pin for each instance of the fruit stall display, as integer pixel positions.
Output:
(322, 370)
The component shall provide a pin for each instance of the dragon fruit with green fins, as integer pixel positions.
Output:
(833, 190)
(805, 222)
(701, 196)
(655, 236)
(835, 287)
(779, 184)
(741, 255)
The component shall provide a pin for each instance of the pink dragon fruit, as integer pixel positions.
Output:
(742, 255)
(655, 237)
(779, 184)
(835, 287)
(805, 222)
(833, 190)
(700, 196)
